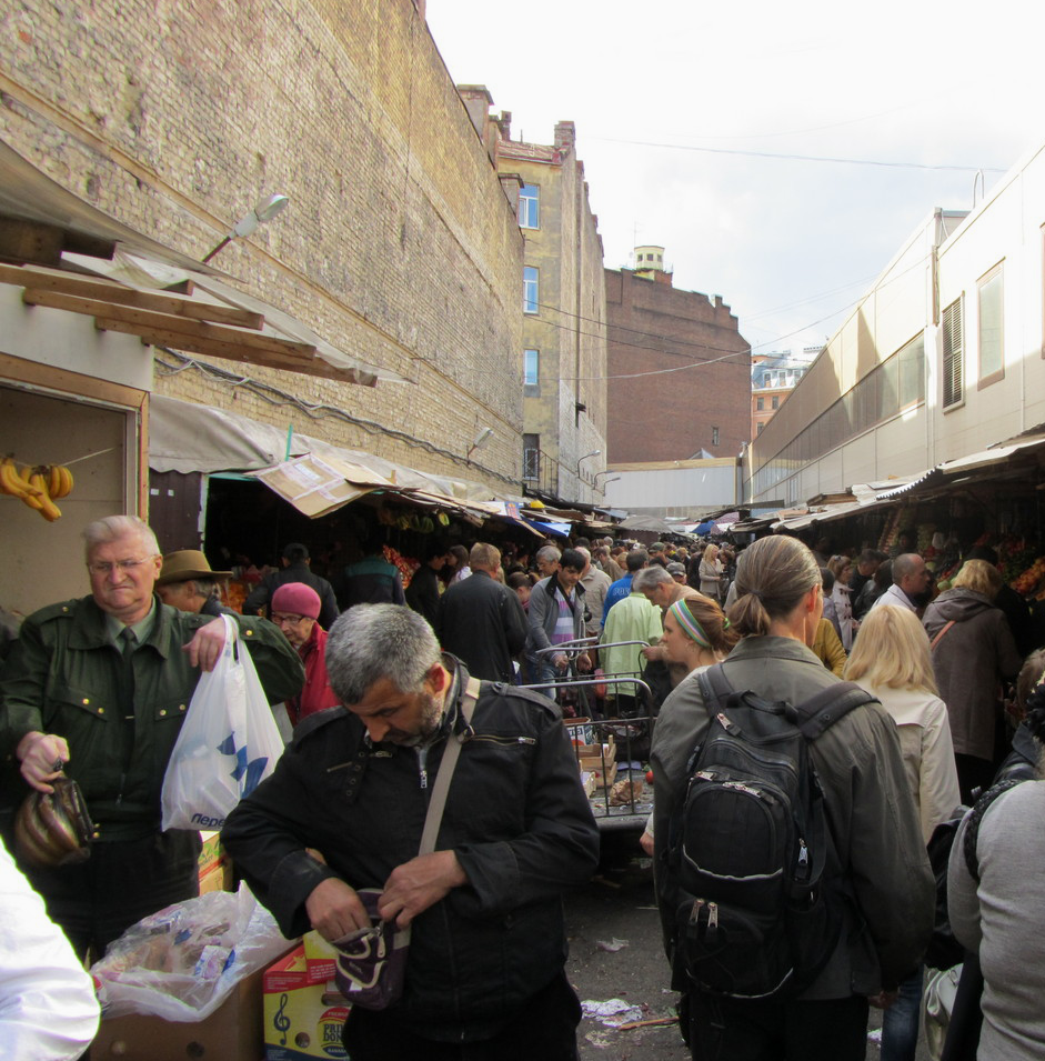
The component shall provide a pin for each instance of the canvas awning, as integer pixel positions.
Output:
(311, 474)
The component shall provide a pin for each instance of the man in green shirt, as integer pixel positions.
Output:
(98, 688)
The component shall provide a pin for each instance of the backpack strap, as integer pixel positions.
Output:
(972, 831)
(822, 711)
(715, 688)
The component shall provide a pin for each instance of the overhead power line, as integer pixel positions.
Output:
(800, 158)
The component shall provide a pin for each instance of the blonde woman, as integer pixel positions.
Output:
(711, 574)
(891, 660)
(973, 652)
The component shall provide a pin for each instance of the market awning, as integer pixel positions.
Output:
(186, 437)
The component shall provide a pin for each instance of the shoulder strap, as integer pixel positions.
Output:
(715, 688)
(822, 711)
(939, 637)
(437, 803)
(972, 831)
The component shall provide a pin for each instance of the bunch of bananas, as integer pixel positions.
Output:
(37, 485)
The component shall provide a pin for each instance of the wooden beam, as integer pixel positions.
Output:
(41, 280)
(62, 381)
(243, 350)
(142, 318)
(22, 240)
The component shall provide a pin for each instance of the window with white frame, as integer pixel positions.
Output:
(530, 206)
(531, 368)
(531, 457)
(992, 332)
(714, 436)
(531, 289)
(953, 327)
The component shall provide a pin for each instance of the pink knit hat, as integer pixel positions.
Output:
(295, 598)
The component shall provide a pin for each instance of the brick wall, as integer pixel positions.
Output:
(399, 246)
(671, 415)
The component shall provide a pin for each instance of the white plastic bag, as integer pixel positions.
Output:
(228, 743)
(182, 962)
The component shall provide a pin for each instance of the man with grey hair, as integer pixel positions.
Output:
(97, 689)
(485, 969)
(547, 560)
(596, 583)
(480, 620)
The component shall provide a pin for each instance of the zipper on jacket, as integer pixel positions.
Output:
(495, 739)
(422, 765)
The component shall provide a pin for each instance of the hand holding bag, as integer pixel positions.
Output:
(228, 744)
(371, 963)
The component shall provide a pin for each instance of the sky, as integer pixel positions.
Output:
(678, 103)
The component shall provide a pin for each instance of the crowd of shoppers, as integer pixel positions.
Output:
(384, 689)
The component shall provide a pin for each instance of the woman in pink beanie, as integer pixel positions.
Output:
(295, 610)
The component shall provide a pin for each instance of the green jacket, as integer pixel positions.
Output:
(63, 677)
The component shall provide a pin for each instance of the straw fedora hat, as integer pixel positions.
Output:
(186, 564)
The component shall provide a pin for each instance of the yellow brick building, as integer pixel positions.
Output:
(399, 247)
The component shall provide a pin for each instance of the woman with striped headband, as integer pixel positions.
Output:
(696, 633)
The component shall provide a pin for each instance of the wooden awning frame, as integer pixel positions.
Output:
(175, 320)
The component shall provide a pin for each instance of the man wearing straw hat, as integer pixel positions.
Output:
(187, 583)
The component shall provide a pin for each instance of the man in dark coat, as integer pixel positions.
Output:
(480, 620)
(296, 568)
(423, 592)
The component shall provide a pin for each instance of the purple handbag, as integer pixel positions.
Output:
(371, 963)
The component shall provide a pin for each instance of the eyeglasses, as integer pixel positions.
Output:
(279, 620)
(105, 567)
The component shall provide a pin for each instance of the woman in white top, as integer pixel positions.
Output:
(842, 568)
(890, 659)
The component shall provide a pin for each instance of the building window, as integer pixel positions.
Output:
(775, 401)
(531, 457)
(529, 206)
(760, 404)
(992, 331)
(531, 368)
(714, 436)
(760, 426)
(531, 289)
(953, 355)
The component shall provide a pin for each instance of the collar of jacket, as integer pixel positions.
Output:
(773, 647)
(89, 627)
(551, 584)
(453, 719)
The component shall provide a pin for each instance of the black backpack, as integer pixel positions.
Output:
(756, 917)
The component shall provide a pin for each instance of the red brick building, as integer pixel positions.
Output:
(702, 406)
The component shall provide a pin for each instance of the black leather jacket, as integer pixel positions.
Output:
(516, 817)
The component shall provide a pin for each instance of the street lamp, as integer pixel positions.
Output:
(479, 441)
(265, 210)
(594, 453)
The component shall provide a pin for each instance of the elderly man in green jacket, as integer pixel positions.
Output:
(98, 688)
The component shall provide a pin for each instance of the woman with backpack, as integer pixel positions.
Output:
(995, 894)
(891, 660)
(871, 848)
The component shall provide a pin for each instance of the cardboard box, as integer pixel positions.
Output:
(301, 1019)
(320, 958)
(233, 1033)
(215, 868)
(596, 752)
